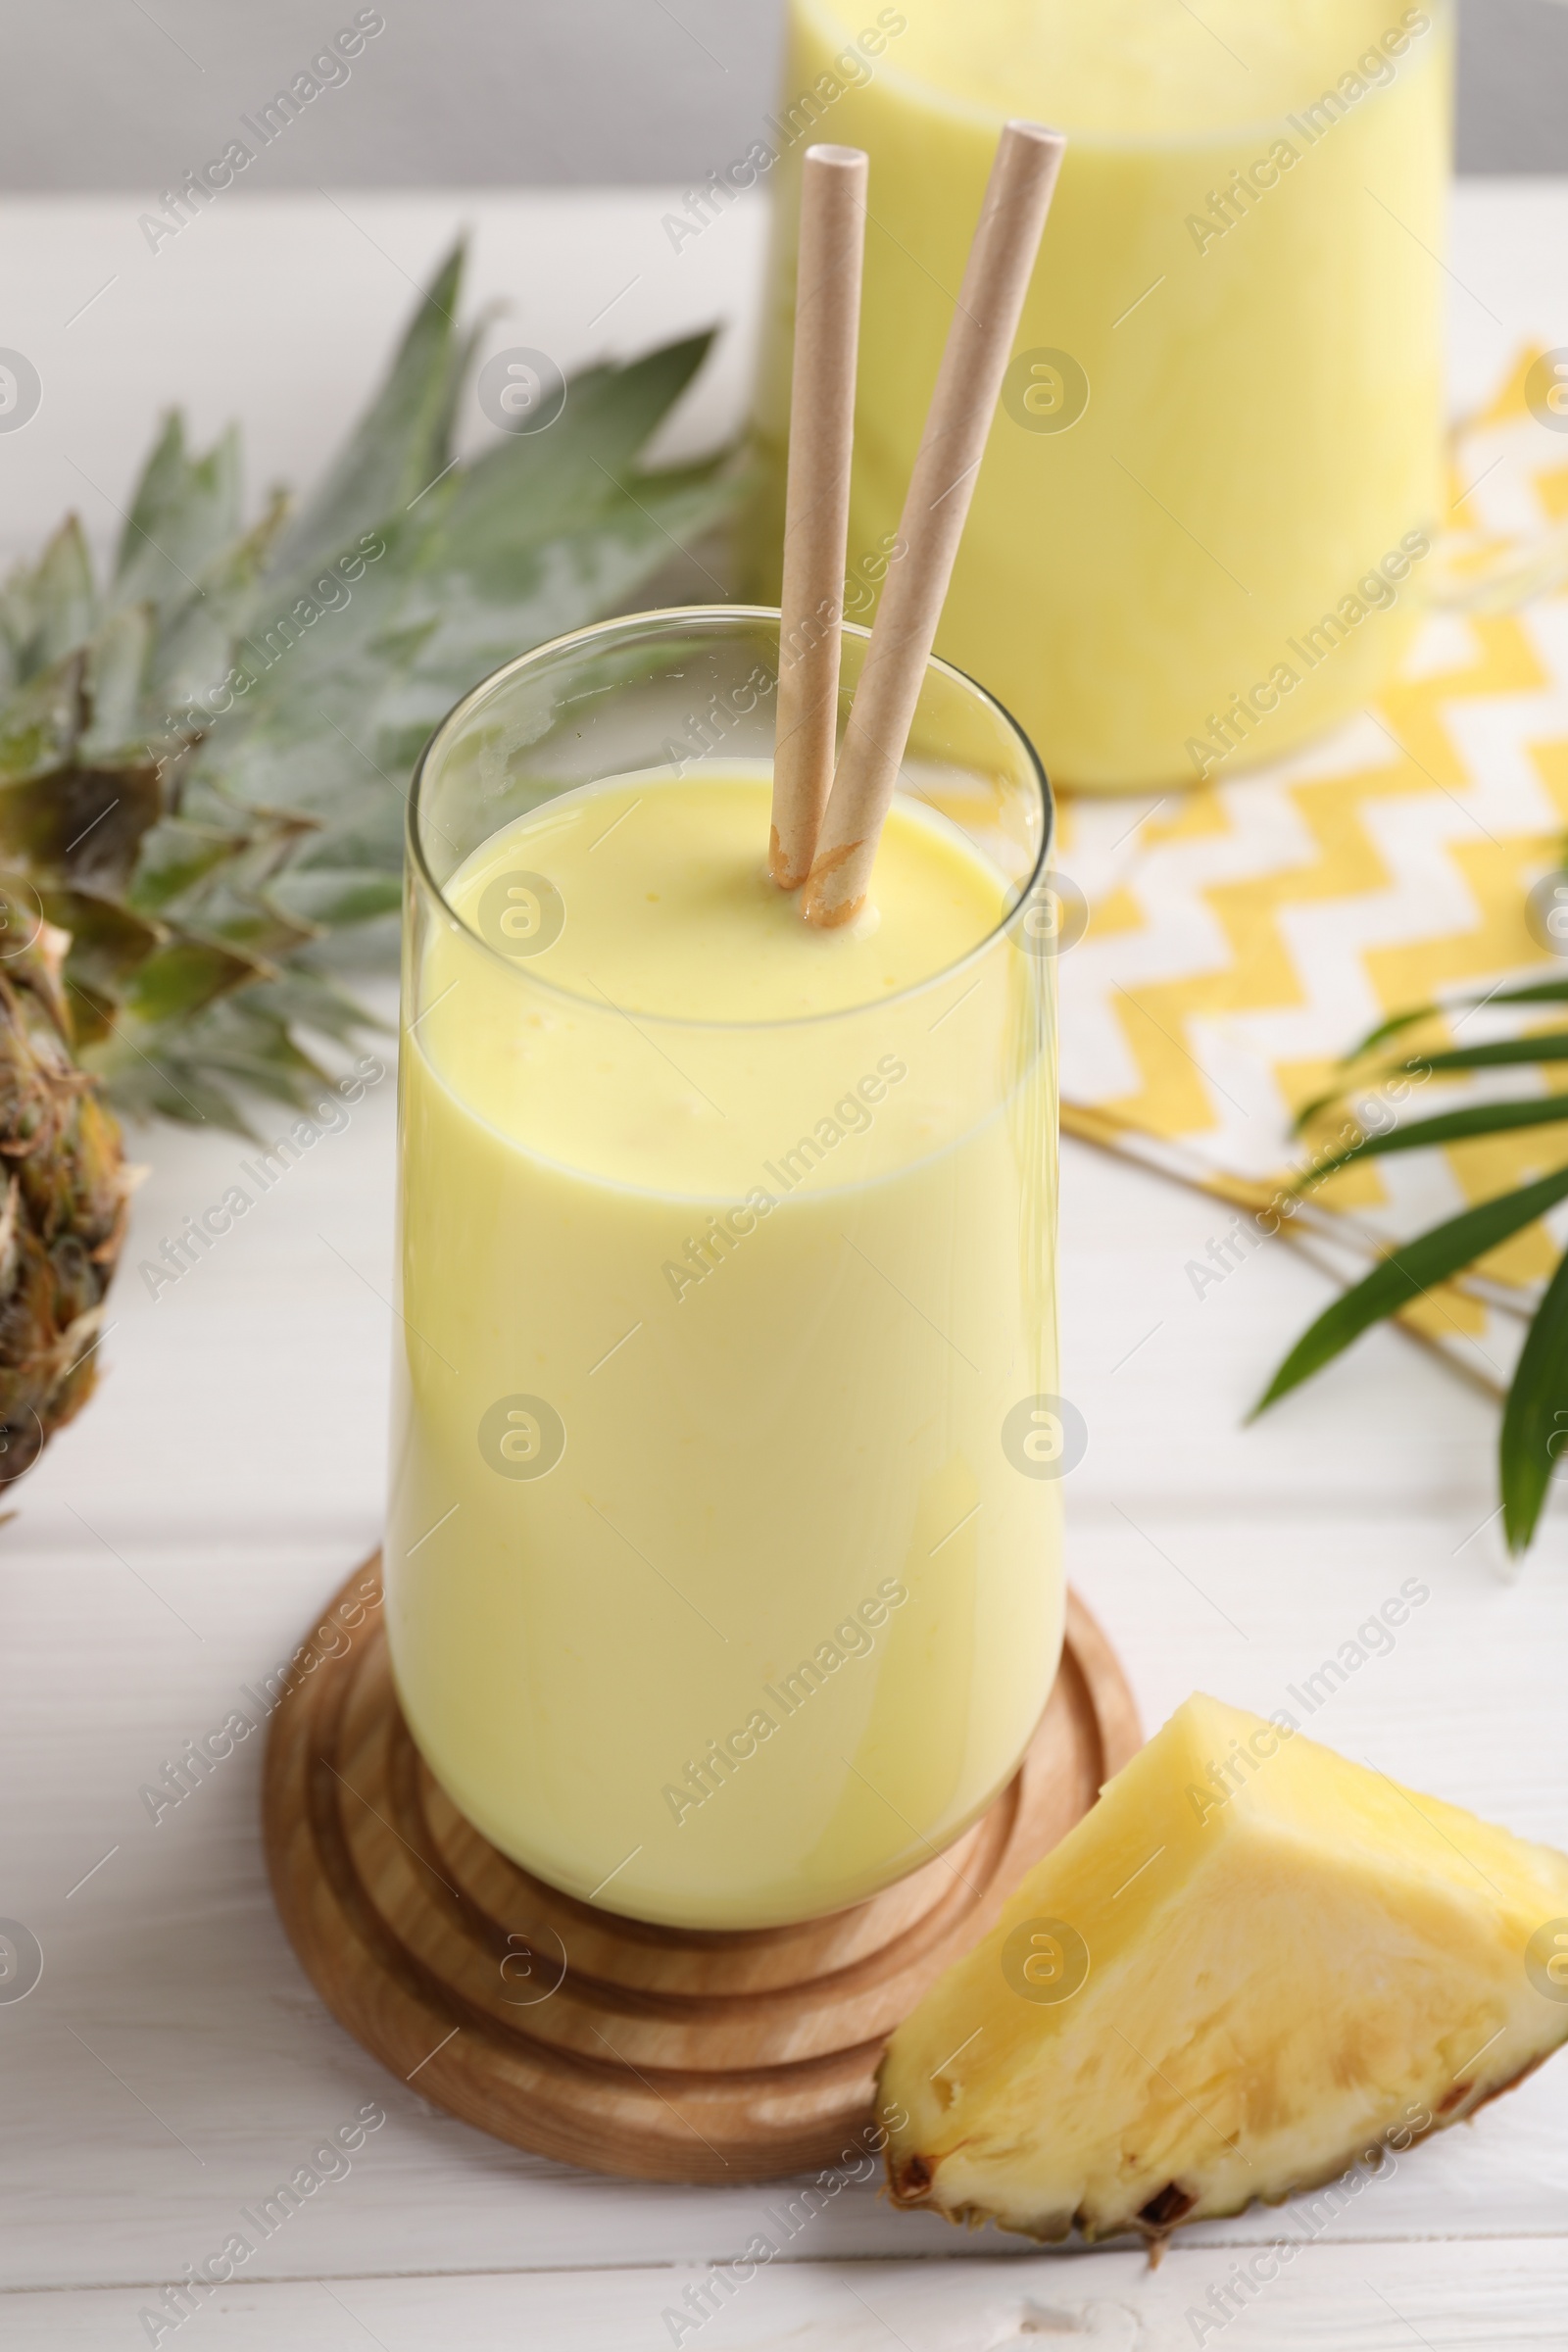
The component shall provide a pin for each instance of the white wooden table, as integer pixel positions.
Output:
(173, 2064)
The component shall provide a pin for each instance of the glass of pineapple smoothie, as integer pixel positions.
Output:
(723, 1553)
(1199, 531)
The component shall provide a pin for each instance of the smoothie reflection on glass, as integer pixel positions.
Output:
(724, 1556)
(1224, 411)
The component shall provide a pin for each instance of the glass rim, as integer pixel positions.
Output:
(978, 112)
(708, 614)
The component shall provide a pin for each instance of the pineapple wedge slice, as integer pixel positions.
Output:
(1253, 1965)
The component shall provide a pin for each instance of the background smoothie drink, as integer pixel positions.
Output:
(1224, 411)
(714, 1561)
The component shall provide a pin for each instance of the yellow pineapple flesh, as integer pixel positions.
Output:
(1253, 1965)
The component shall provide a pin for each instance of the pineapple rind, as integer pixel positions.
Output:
(1289, 1971)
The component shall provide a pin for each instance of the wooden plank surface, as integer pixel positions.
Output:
(1379, 2298)
(173, 2066)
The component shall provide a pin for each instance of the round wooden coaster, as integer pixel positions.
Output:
(556, 2026)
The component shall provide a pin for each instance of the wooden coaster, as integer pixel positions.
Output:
(658, 2052)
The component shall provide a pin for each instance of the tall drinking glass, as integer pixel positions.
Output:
(723, 1554)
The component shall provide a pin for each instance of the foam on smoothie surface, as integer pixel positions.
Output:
(670, 910)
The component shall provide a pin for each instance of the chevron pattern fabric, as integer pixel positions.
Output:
(1245, 935)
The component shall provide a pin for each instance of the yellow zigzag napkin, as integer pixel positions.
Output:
(1246, 935)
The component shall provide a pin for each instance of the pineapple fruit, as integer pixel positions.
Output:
(65, 1196)
(1251, 1966)
(204, 760)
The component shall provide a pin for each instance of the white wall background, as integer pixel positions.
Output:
(126, 94)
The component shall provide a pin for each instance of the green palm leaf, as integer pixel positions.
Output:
(1504, 1053)
(1536, 1412)
(1392, 1027)
(1445, 1127)
(1537, 992)
(1408, 1271)
(1534, 1418)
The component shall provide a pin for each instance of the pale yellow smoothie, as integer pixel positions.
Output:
(1223, 415)
(715, 1591)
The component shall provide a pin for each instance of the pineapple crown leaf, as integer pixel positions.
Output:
(204, 767)
(185, 512)
(62, 597)
(401, 442)
(46, 608)
(79, 824)
(40, 721)
(602, 429)
(117, 666)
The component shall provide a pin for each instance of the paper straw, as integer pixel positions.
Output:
(969, 382)
(827, 325)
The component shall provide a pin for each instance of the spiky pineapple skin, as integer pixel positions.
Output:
(67, 1193)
